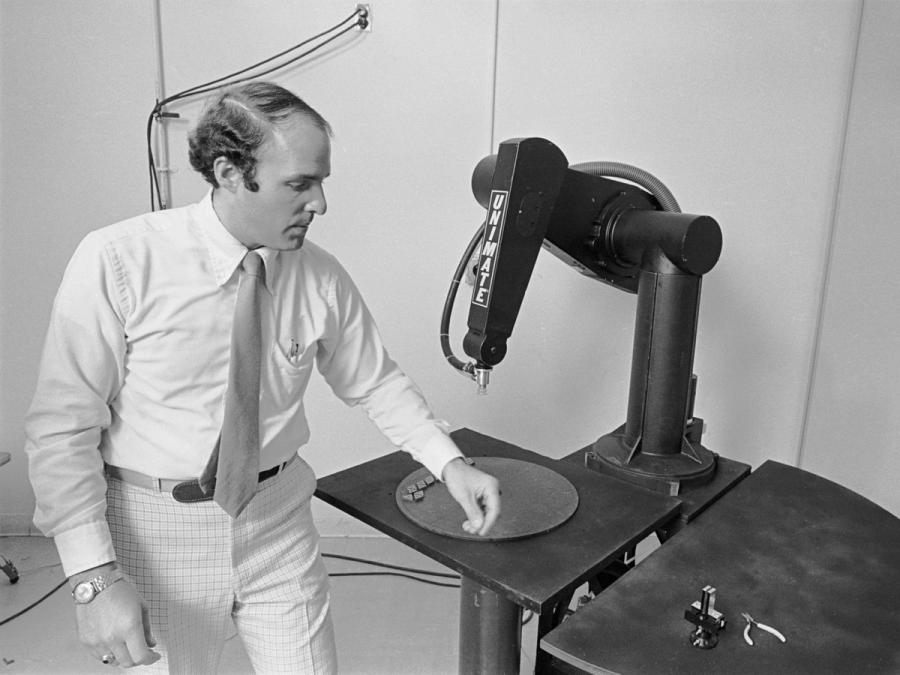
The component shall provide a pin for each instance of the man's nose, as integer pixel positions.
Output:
(317, 204)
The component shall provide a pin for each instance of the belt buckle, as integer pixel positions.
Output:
(274, 471)
(190, 491)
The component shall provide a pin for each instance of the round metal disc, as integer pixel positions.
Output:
(534, 500)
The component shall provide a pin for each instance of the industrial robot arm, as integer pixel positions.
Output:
(631, 238)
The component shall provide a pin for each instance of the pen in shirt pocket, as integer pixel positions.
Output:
(294, 351)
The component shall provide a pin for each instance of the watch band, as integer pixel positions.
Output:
(87, 590)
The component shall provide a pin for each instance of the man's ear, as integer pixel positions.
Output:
(228, 176)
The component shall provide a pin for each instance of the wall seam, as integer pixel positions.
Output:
(829, 247)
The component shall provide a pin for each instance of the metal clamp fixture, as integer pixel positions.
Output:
(708, 621)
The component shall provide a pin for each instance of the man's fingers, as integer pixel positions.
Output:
(141, 654)
(123, 657)
(136, 643)
(138, 653)
(482, 508)
(491, 501)
(475, 518)
(148, 634)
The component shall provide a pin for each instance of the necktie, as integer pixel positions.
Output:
(233, 468)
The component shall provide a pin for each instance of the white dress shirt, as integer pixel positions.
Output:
(135, 366)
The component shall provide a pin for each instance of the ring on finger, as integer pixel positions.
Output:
(108, 658)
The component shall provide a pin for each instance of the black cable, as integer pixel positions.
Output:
(447, 311)
(392, 567)
(334, 574)
(324, 555)
(226, 80)
(392, 574)
(154, 178)
(218, 83)
(33, 604)
(195, 89)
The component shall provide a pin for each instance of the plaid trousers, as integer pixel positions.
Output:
(199, 570)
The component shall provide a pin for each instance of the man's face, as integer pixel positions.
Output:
(291, 165)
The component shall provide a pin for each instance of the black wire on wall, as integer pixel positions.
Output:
(359, 19)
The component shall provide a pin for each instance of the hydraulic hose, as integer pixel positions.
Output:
(643, 178)
(467, 369)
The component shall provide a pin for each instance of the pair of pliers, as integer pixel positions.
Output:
(753, 622)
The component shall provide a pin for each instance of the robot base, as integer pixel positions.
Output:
(670, 473)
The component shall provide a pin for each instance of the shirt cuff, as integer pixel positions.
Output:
(84, 547)
(437, 451)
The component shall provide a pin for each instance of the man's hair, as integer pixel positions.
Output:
(236, 122)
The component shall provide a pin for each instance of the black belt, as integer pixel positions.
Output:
(182, 490)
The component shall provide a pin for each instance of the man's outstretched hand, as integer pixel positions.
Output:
(478, 494)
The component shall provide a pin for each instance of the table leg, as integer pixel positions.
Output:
(490, 631)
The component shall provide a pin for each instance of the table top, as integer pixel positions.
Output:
(800, 553)
(612, 516)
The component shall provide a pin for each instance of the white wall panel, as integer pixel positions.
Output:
(739, 108)
(853, 434)
(76, 85)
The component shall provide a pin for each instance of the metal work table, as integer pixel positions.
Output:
(800, 553)
(501, 578)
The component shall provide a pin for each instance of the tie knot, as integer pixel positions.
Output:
(252, 264)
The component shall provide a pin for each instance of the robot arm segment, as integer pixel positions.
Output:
(519, 187)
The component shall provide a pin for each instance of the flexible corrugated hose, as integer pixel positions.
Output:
(643, 178)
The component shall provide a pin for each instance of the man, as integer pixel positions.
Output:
(130, 432)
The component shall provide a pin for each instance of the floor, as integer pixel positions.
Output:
(372, 637)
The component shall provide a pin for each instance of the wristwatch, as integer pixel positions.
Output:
(87, 590)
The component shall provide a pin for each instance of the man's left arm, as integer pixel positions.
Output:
(358, 369)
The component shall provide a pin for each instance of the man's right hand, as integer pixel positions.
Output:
(116, 622)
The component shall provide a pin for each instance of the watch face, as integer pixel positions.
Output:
(83, 592)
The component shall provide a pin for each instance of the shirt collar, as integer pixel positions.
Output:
(225, 252)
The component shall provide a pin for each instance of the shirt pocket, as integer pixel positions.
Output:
(289, 375)
(295, 358)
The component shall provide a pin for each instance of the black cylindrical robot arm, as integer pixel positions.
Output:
(519, 188)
